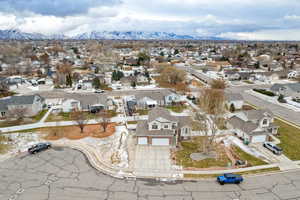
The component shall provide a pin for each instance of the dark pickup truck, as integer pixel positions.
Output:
(39, 147)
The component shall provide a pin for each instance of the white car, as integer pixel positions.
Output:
(99, 91)
(272, 147)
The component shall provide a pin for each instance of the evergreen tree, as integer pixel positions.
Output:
(114, 76)
(96, 83)
(119, 75)
(232, 108)
(69, 81)
(147, 74)
(96, 70)
(133, 84)
(176, 52)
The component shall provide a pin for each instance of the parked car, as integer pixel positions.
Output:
(240, 162)
(230, 178)
(272, 147)
(99, 91)
(39, 147)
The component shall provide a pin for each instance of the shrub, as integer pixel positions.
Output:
(265, 92)
(281, 99)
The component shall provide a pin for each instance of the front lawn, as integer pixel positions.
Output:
(290, 139)
(40, 115)
(25, 120)
(265, 92)
(63, 116)
(252, 160)
(132, 122)
(259, 171)
(3, 146)
(6, 94)
(142, 112)
(177, 108)
(194, 146)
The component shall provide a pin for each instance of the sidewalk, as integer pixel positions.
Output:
(272, 100)
(43, 124)
(95, 159)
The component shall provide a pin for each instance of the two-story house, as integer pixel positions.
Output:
(162, 128)
(253, 126)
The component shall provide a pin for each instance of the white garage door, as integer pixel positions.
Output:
(160, 141)
(142, 140)
(259, 138)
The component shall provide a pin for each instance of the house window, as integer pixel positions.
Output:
(154, 126)
(3, 114)
(265, 122)
(174, 126)
(186, 130)
(166, 126)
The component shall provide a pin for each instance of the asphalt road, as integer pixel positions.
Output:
(280, 111)
(64, 174)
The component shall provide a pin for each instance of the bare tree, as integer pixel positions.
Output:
(218, 84)
(212, 104)
(4, 90)
(18, 112)
(80, 118)
(104, 119)
(173, 75)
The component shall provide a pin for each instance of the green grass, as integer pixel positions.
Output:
(39, 116)
(132, 122)
(253, 161)
(142, 112)
(177, 108)
(188, 147)
(112, 113)
(248, 82)
(7, 94)
(259, 171)
(3, 147)
(63, 116)
(290, 139)
(265, 92)
(9, 123)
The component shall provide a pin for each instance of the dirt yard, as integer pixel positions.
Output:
(73, 132)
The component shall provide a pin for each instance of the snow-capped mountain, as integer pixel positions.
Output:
(132, 35)
(94, 35)
(15, 34)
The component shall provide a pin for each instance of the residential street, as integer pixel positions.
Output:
(280, 111)
(62, 174)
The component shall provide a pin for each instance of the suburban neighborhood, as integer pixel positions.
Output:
(164, 111)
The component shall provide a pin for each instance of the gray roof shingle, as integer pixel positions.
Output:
(17, 100)
(240, 124)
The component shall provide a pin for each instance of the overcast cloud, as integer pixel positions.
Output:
(236, 19)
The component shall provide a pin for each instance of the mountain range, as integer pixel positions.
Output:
(14, 34)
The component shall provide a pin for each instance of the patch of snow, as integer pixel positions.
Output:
(235, 141)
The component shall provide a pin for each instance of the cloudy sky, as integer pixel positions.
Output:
(236, 19)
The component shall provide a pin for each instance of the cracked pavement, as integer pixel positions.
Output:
(63, 174)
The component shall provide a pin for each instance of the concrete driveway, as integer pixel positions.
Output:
(284, 162)
(153, 161)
